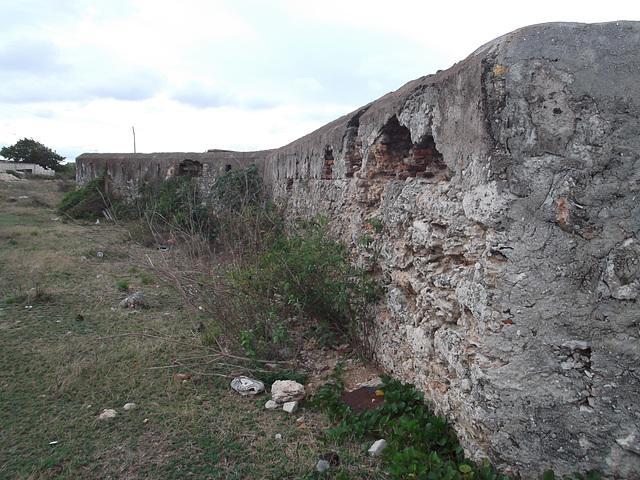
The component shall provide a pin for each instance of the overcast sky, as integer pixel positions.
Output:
(190, 75)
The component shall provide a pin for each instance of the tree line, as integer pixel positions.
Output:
(28, 150)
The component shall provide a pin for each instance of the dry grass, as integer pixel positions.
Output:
(69, 351)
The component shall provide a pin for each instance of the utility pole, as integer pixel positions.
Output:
(134, 139)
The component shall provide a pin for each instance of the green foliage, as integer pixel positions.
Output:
(420, 443)
(307, 273)
(88, 202)
(550, 475)
(123, 285)
(66, 171)
(28, 150)
(238, 189)
(174, 205)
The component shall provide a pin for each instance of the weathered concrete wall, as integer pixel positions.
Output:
(130, 170)
(26, 167)
(509, 191)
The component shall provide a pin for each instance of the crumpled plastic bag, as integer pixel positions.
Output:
(247, 386)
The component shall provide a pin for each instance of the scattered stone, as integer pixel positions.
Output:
(322, 465)
(129, 406)
(283, 391)
(137, 300)
(290, 407)
(331, 457)
(278, 436)
(107, 413)
(377, 447)
(247, 386)
(270, 405)
(630, 443)
(373, 383)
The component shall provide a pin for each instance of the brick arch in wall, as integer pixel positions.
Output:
(394, 155)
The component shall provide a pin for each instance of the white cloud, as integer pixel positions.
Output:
(198, 74)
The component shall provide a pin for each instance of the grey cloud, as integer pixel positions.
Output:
(127, 85)
(31, 56)
(201, 96)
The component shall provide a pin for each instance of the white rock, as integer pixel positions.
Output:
(322, 465)
(377, 447)
(107, 413)
(270, 405)
(137, 300)
(374, 383)
(129, 406)
(290, 407)
(278, 436)
(283, 391)
(630, 443)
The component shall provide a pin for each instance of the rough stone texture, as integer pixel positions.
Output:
(507, 193)
(378, 446)
(107, 414)
(290, 407)
(283, 391)
(26, 168)
(137, 300)
(128, 171)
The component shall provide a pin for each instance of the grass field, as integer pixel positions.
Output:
(68, 351)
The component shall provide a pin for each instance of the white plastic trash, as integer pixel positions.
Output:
(247, 386)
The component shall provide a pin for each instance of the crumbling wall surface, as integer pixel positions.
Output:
(508, 192)
(128, 171)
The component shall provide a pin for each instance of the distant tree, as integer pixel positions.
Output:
(29, 151)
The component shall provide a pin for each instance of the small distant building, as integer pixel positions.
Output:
(25, 168)
(128, 171)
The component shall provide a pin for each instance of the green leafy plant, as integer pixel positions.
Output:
(28, 150)
(90, 201)
(175, 205)
(420, 443)
(238, 189)
(307, 273)
(123, 285)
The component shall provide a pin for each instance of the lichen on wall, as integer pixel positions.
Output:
(507, 189)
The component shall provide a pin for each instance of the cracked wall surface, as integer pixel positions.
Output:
(508, 191)
(129, 171)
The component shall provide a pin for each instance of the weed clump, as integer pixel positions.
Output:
(88, 202)
(255, 278)
(303, 273)
(420, 444)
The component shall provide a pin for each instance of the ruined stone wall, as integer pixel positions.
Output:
(128, 171)
(508, 189)
(26, 168)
